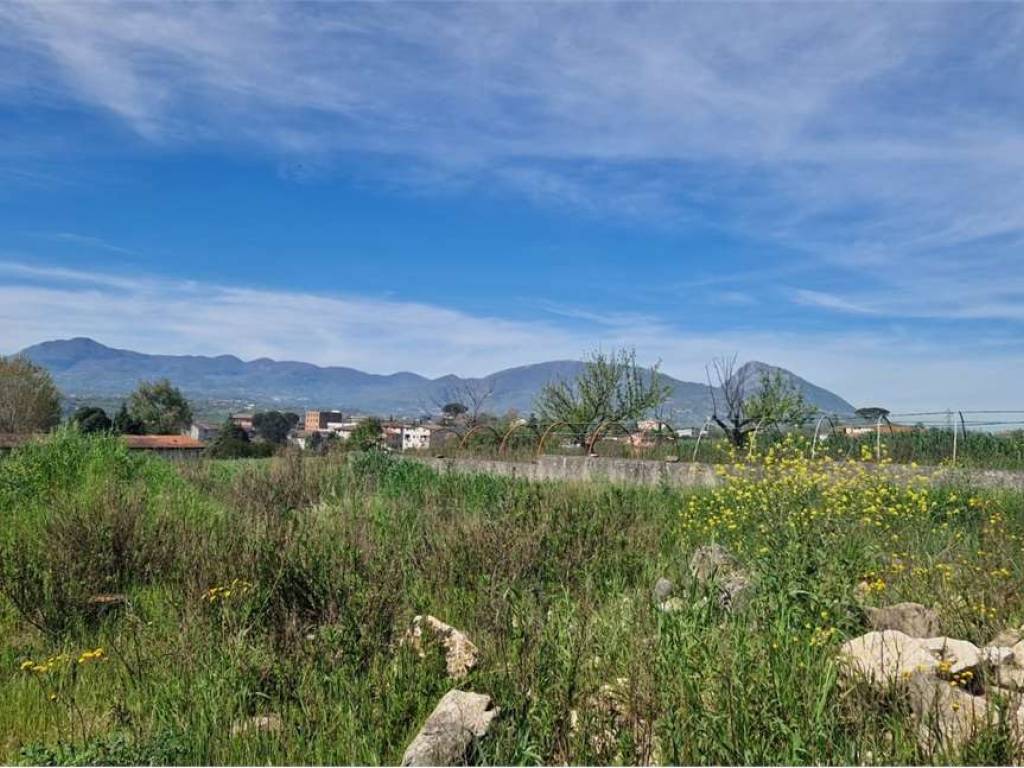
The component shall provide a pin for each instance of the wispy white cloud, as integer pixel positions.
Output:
(880, 142)
(882, 138)
(899, 368)
(88, 241)
(830, 301)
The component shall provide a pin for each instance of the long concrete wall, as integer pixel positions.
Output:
(677, 474)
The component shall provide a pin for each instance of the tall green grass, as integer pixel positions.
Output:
(327, 560)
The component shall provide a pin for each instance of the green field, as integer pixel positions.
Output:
(284, 586)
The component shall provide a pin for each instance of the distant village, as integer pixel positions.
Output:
(395, 435)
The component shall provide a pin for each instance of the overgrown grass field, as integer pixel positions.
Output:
(284, 586)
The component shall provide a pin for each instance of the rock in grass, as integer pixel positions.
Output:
(271, 723)
(1010, 678)
(1008, 638)
(1009, 673)
(885, 657)
(711, 562)
(662, 590)
(996, 655)
(947, 715)
(458, 720)
(714, 564)
(736, 592)
(954, 656)
(911, 619)
(460, 653)
(106, 603)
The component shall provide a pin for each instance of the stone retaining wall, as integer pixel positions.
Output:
(677, 474)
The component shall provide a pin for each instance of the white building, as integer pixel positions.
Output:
(403, 437)
(415, 438)
(343, 429)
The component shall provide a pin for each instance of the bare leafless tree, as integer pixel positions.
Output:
(729, 384)
(747, 404)
(471, 397)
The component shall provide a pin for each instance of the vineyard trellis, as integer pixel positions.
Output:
(915, 434)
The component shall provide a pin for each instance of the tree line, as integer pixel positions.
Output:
(611, 388)
(30, 403)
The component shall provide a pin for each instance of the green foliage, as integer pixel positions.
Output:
(1002, 450)
(367, 435)
(116, 748)
(126, 424)
(92, 419)
(29, 400)
(776, 401)
(320, 443)
(873, 413)
(160, 407)
(453, 410)
(611, 388)
(274, 426)
(232, 442)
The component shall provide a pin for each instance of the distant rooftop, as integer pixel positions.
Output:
(157, 442)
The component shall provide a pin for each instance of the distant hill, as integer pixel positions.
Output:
(826, 401)
(83, 367)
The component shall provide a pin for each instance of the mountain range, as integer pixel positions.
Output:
(85, 368)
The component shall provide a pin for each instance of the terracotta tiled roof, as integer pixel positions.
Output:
(164, 442)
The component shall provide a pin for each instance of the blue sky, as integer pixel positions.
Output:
(836, 188)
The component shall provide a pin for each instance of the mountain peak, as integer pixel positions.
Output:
(84, 367)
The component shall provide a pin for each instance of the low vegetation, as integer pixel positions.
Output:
(148, 609)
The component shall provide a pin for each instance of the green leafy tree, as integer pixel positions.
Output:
(452, 411)
(611, 388)
(367, 434)
(90, 418)
(777, 401)
(321, 443)
(232, 442)
(29, 400)
(160, 407)
(873, 413)
(126, 424)
(740, 407)
(274, 426)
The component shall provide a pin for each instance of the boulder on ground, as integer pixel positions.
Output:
(736, 592)
(947, 682)
(714, 564)
(947, 715)
(954, 656)
(1009, 671)
(885, 657)
(458, 720)
(460, 653)
(911, 619)
(996, 655)
(1008, 637)
(662, 590)
(271, 723)
(712, 561)
(1010, 678)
